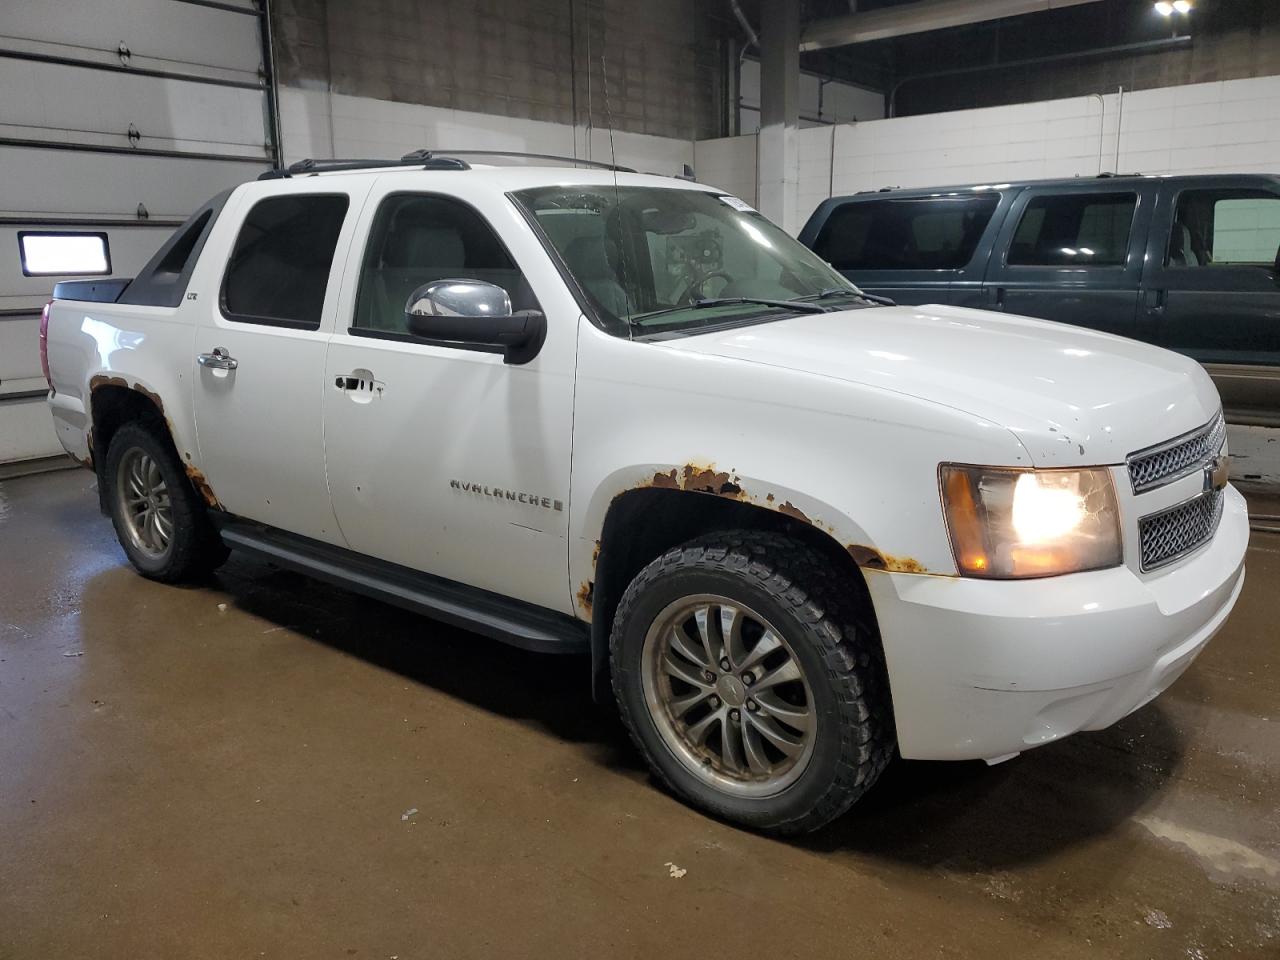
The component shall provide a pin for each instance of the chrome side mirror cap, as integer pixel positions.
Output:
(474, 315)
(459, 298)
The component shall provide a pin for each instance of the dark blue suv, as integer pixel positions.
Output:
(1191, 263)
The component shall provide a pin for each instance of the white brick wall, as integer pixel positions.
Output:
(1229, 126)
(322, 125)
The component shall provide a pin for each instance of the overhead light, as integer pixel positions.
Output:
(1182, 6)
(1165, 9)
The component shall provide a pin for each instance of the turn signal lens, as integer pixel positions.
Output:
(1006, 524)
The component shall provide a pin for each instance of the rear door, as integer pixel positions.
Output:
(1212, 287)
(915, 249)
(1074, 254)
(265, 312)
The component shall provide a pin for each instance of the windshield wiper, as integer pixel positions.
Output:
(855, 292)
(763, 301)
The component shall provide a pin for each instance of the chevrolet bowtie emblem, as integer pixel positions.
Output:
(1216, 472)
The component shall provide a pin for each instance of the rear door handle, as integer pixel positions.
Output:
(1155, 301)
(999, 296)
(218, 360)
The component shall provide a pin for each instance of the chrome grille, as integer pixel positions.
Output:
(1176, 458)
(1175, 532)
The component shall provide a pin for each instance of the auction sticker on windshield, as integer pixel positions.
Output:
(737, 204)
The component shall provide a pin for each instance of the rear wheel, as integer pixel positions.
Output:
(751, 682)
(159, 519)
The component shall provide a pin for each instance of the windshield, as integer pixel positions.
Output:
(656, 260)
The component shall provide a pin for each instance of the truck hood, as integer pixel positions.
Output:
(1072, 396)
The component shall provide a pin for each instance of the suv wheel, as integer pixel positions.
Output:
(158, 517)
(749, 680)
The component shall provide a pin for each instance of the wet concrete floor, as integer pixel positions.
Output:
(228, 770)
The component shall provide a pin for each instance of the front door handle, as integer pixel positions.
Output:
(218, 360)
(1155, 301)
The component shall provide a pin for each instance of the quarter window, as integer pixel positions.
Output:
(279, 267)
(418, 238)
(925, 233)
(1224, 228)
(1076, 229)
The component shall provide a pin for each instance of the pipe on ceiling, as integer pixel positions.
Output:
(919, 17)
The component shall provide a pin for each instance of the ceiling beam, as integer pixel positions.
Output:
(919, 17)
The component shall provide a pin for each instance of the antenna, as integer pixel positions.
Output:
(617, 200)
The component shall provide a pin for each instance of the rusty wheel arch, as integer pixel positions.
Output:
(643, 523)
(113, 402)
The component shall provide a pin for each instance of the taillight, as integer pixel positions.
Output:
(44, 343)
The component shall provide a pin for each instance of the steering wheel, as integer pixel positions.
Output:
(696, 284)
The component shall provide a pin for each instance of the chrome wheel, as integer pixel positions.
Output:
(728, 695)
(143, 502)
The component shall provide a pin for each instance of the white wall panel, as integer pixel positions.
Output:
(319, 124)
(53, 101)
(40, 181)
(161, 34)
(1225, 127)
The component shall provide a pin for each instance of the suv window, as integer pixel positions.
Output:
(916, 233)
(418, 238)
(1225, 227)
(1074, 229)
(279, 267)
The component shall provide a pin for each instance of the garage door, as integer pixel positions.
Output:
(118, 118)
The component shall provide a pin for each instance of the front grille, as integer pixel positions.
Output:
(1176, 458)
(1175, 532)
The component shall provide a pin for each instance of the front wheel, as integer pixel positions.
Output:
(750, 679)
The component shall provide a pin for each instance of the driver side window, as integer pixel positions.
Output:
(418, 238)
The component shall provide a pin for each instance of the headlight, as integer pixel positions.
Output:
(1006, 524)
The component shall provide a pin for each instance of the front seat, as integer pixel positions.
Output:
(588, 261)
(1180, 252)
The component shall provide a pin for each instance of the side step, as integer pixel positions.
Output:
(511, 621)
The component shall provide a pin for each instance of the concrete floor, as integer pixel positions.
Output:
(224, 771)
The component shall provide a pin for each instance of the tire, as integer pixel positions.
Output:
(142, 468)
(838, 710)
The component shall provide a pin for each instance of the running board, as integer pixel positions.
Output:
(511, 621)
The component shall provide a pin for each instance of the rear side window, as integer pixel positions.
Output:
(1224, 228)
(279, 267)
(915, 233)
(1074, 229)
(418, 238)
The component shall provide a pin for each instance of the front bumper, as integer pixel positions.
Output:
(984, 669)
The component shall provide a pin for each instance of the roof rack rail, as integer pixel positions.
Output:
(516, 154)
(424, 159)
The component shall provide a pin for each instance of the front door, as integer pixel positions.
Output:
(444, 459)
(1212, 287)
(264, 321)
(1074, 254)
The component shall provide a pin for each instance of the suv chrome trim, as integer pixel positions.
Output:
(1170, 534)
(1174, 459)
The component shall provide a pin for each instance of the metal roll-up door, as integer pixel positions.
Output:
(118, 117)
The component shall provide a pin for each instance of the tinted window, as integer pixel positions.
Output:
(927, 233)
(1075, 229)
(416, 239)
(1224, 227)
(279, 267)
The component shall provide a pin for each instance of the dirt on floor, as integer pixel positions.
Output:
(263, 766)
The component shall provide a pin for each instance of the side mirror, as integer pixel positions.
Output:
(472, 314)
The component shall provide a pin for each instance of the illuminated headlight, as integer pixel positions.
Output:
(1006, 524)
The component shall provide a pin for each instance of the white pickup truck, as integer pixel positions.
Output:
(591, 410)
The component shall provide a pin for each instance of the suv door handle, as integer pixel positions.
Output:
(1155, 300)
(218, 360)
